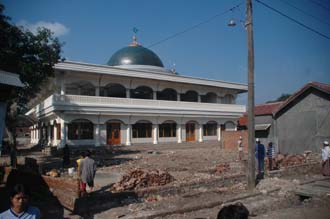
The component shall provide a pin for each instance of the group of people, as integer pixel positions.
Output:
(86, 168)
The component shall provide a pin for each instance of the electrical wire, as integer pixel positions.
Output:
(194, 26)
(292, 19)
(304, 12)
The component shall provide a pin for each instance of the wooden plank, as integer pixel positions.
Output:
(325, 184)
(312, 190)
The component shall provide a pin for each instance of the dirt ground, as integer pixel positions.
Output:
(187, 163)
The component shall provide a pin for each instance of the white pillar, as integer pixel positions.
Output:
(179, 133)
(62, 86)
(199, 98)
(178, 97)
(31, 135)
(97, 135)
(155, 95)
(219, 132)
(97, 91)
(200, 136)
(49, 140)
(63, 133)
(37, 134)
(55, 134)
(128, 93)
(155, 133)
(128, 134)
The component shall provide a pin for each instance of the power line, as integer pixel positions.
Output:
(292, 19)
(194, 26)
(306, 13)
(320, 5)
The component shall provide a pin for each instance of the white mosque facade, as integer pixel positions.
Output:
(132, 100)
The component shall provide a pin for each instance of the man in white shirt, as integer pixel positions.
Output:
(326, 159)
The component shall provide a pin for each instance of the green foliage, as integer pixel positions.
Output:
(283, 97)
(32, 56)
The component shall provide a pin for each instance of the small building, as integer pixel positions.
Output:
(133, 99)
(300, 123)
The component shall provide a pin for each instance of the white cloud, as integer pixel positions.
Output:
(57, 28)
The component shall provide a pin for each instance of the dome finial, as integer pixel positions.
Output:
(135, 43)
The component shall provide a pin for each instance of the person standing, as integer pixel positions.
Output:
(270, 155)
(19, 204)
(66, 155)
(260, 155)
(87, 171)
(240, 148)
(81, 184)
(326, 159)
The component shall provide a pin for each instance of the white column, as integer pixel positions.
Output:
(31, 135)
(63, 133)
(128, 134)
(97, 135)
(128, 93)
(199, 98)
(97, 91)
(62, 86)
(178, 97)
(55, 134)
(155, 95)
(37, 134)
(200, 136)
(219, 132)
(49, 140)
(155, 133)
(179, 133)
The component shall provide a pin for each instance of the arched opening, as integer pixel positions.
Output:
(167, 129)
(209, 98)
(80, 129)
(190, 131)
(142, 129)
(228, 99)
(230, 126)
(189, 96)
(167, 94)
(142, 92)
(210, 128)
(113, 90)
(80, 88)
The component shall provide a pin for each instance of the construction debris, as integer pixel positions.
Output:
(139, 178)
(222, 168)
(53, 173)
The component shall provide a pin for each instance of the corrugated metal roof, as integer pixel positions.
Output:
(262, 127)
(10, 79)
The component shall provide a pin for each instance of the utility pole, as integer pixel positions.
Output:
(251, 141)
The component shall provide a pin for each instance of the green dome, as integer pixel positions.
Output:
(135, 55)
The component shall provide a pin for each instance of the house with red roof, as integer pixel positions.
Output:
(300, 123)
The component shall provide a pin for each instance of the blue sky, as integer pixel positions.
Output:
(287, 56)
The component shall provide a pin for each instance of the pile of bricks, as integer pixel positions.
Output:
(282, 160)
(222, 168)
(139, 178)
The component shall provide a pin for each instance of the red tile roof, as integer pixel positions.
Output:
(267, 108)
(317, 85)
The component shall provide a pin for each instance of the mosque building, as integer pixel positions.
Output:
(133, 99)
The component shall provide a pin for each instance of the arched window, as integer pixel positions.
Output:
(167, 129)
(80, 129)
(167, 94)
(210, 128)
(142, 92)
(80, 88)
(209, 98)
(190, 96)
(228, 99)
(142, 129)
(113, 90)
(230, 126)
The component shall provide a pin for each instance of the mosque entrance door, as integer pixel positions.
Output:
(190, 132)
(113, 133)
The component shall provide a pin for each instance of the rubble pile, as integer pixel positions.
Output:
(139, 178)
(222, 168)
(286, 186)
(285, 160)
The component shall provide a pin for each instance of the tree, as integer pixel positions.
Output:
(283, 97)
(32, 56)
